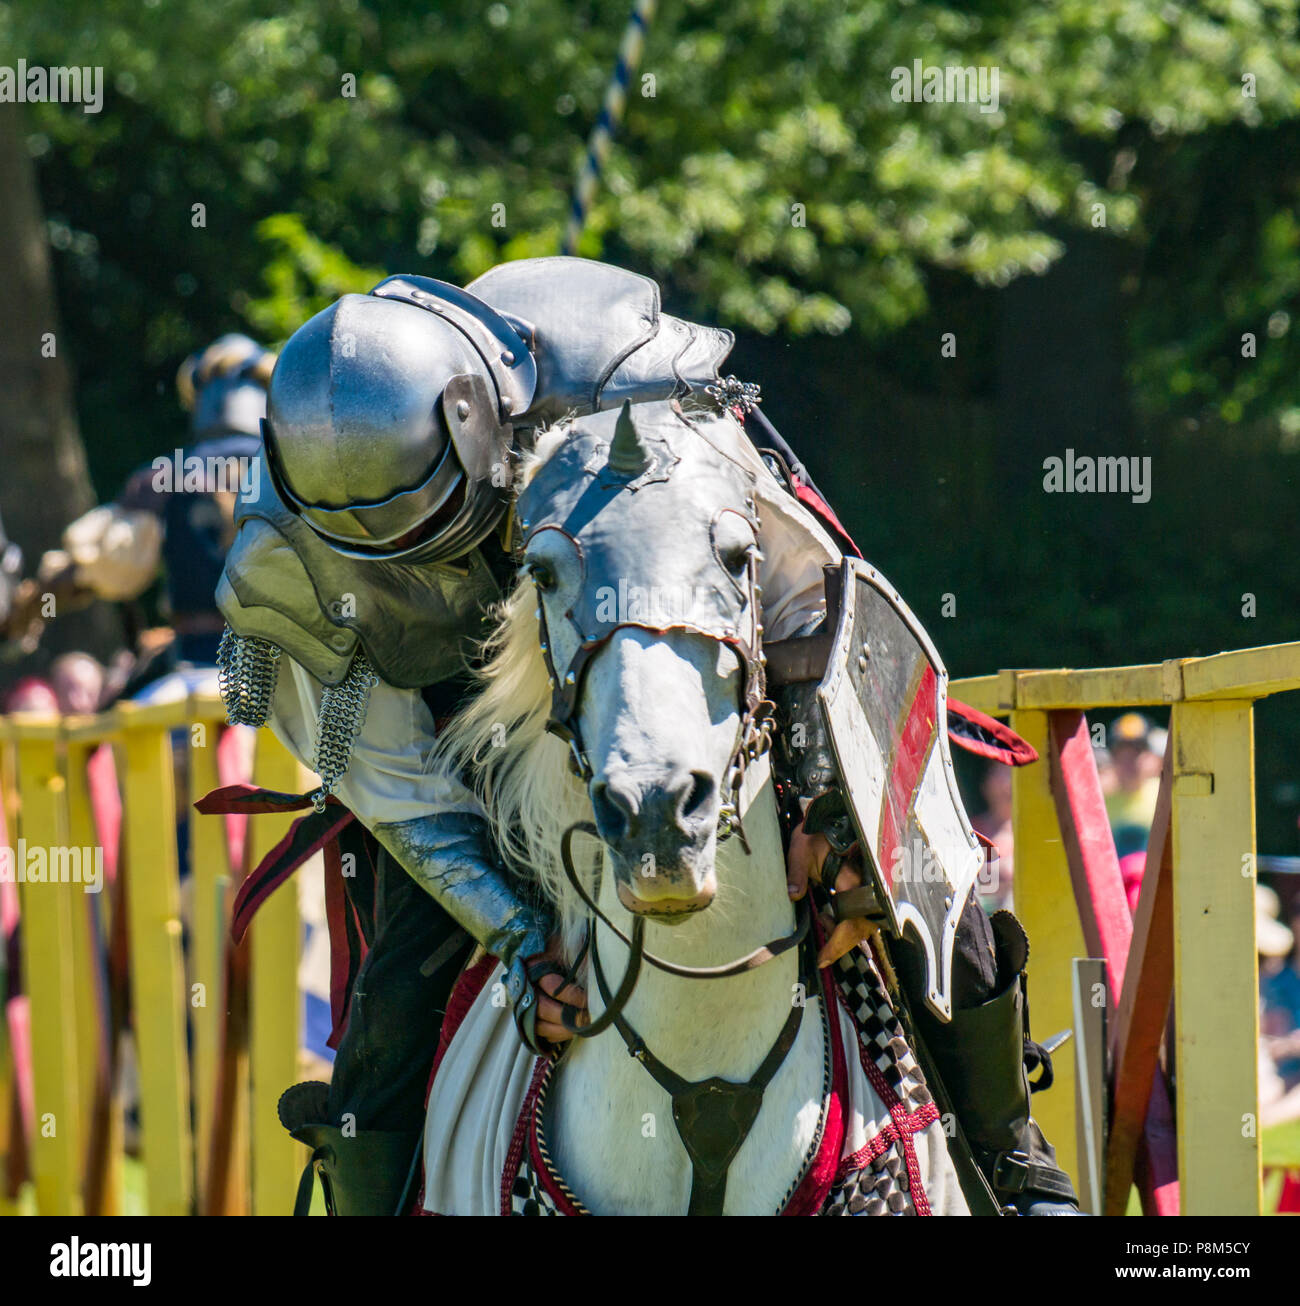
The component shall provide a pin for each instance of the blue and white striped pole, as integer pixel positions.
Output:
(602, 135)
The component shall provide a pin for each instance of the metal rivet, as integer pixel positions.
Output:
(462, 409)
(339, 642)
(570, 678)
(508, 358)
(862, 664)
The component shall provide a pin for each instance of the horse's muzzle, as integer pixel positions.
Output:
(660, 832)
(667, 910)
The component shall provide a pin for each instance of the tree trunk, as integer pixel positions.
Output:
(44, 483)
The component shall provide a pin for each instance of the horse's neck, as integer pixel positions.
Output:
(715, 1027)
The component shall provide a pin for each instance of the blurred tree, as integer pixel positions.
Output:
(765, 173)
(45, 482)
(1139, 176)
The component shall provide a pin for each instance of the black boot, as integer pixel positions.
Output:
(983, 1057)
(363, 1173)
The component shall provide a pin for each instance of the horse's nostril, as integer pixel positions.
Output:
(613, 810)
(700, 795)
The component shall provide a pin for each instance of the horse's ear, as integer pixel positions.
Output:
(628, 455)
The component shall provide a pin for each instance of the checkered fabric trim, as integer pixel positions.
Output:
(532, 1192)
(880, 1032)
(528, 1196)
(881, 1187)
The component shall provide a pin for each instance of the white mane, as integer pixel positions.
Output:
(499, 741)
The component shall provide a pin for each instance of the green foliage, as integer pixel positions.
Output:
(463, 113)
(772, 183)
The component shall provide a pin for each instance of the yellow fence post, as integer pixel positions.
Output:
(8, 1085)
(83, 836)
(159, 998)
(1044, 902)
(274, 1000)
(49, 977)
(1215, 965)
(210, 869)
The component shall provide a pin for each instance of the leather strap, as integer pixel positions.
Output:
(713, 1116)
(750, 961)
(1014, 1172)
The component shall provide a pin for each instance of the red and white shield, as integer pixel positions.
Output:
(885, 702)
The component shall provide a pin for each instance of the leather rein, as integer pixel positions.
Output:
(713, 1116)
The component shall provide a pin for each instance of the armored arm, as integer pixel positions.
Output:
(452, 857)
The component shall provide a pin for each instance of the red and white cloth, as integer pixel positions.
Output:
(880, 1147)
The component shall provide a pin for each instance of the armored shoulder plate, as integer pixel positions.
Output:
(282, 583)
(598, 335)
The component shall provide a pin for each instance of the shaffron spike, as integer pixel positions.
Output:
(628, 454)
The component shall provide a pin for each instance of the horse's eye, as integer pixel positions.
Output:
(736, 560)
(543, 576)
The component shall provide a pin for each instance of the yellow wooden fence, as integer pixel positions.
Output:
(43, 779)
(1216, 1021)
(44, 783)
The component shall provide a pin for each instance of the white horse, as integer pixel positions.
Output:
(658, 713)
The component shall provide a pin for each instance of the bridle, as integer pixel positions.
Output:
(756, 723)
(754, 738)
(714, 1116)
(764, 953)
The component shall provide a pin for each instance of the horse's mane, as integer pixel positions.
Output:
(499, 742)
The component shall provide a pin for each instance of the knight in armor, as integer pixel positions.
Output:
(175, 516)
(357, 590)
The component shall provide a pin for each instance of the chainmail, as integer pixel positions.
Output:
(246, 673)
(342, 714)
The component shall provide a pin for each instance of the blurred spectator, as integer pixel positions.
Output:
(31, 694)
(78, 681)
(1131, 867)
(1131, 805)
(1279, 983)
(1105, 768)
(175, 517)
(994, 823)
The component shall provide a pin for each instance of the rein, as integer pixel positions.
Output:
(740, 965)
(713, 1116)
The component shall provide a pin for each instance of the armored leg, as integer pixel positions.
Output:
(983, 1056)
(365, 1126)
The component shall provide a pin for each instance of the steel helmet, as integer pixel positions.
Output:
(388, 425)
(223, 387)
